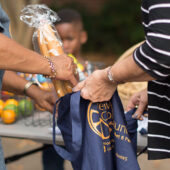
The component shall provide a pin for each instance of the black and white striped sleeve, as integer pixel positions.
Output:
(154, 54)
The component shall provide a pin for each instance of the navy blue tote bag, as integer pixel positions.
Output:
(95, 134)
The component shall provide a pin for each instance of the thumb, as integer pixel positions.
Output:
(73, 80)
(79, 86)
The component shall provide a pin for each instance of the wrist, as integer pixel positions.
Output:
(29, 88)
(111, 77)
(51, 66)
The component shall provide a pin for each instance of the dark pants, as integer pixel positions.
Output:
(51, 160)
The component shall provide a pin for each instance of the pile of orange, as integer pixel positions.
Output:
(9, 111)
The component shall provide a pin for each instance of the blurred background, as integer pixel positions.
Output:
(112, 25)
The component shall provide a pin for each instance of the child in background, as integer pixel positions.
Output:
(72, 33)
(73, 36)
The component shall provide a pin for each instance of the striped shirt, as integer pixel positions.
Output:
(154, 57)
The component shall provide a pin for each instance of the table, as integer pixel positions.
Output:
(34, 128)
(37, 128)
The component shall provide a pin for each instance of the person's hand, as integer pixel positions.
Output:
(44, 99)
(96, 87)
(139, 100)
(65, 68)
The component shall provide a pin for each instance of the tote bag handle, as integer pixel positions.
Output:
(76, 129)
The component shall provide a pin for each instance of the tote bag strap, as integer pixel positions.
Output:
(76, 129)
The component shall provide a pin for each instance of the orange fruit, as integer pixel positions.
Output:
(12, 107)
(11, 101)
(8, 116)
(1, 106)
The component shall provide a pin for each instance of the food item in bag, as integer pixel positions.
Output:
(50, 45)
(46, 39)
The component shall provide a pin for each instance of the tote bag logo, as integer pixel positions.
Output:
(100, 119)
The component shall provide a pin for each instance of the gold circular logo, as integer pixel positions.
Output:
(100, 119)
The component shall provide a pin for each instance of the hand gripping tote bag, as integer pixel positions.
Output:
(95, 134)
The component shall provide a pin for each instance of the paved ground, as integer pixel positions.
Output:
(33, 162)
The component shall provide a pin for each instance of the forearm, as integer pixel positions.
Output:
(127, 71)
(17, 58)
(15, 84)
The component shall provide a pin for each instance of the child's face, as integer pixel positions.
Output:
(72, 37)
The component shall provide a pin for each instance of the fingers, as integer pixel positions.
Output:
(79, 86)
(130, 106)
(75, 69)
(76, 74)
(96, 97)
(145, 115)
(50, 97)
(47, 100)
(85, 95)
(133, 102)
(73, 80)
(138, 116)
(139, 111)
(47, 106)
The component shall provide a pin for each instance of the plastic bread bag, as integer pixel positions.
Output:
(45, 38)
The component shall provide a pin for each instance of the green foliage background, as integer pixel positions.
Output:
(112, 30)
